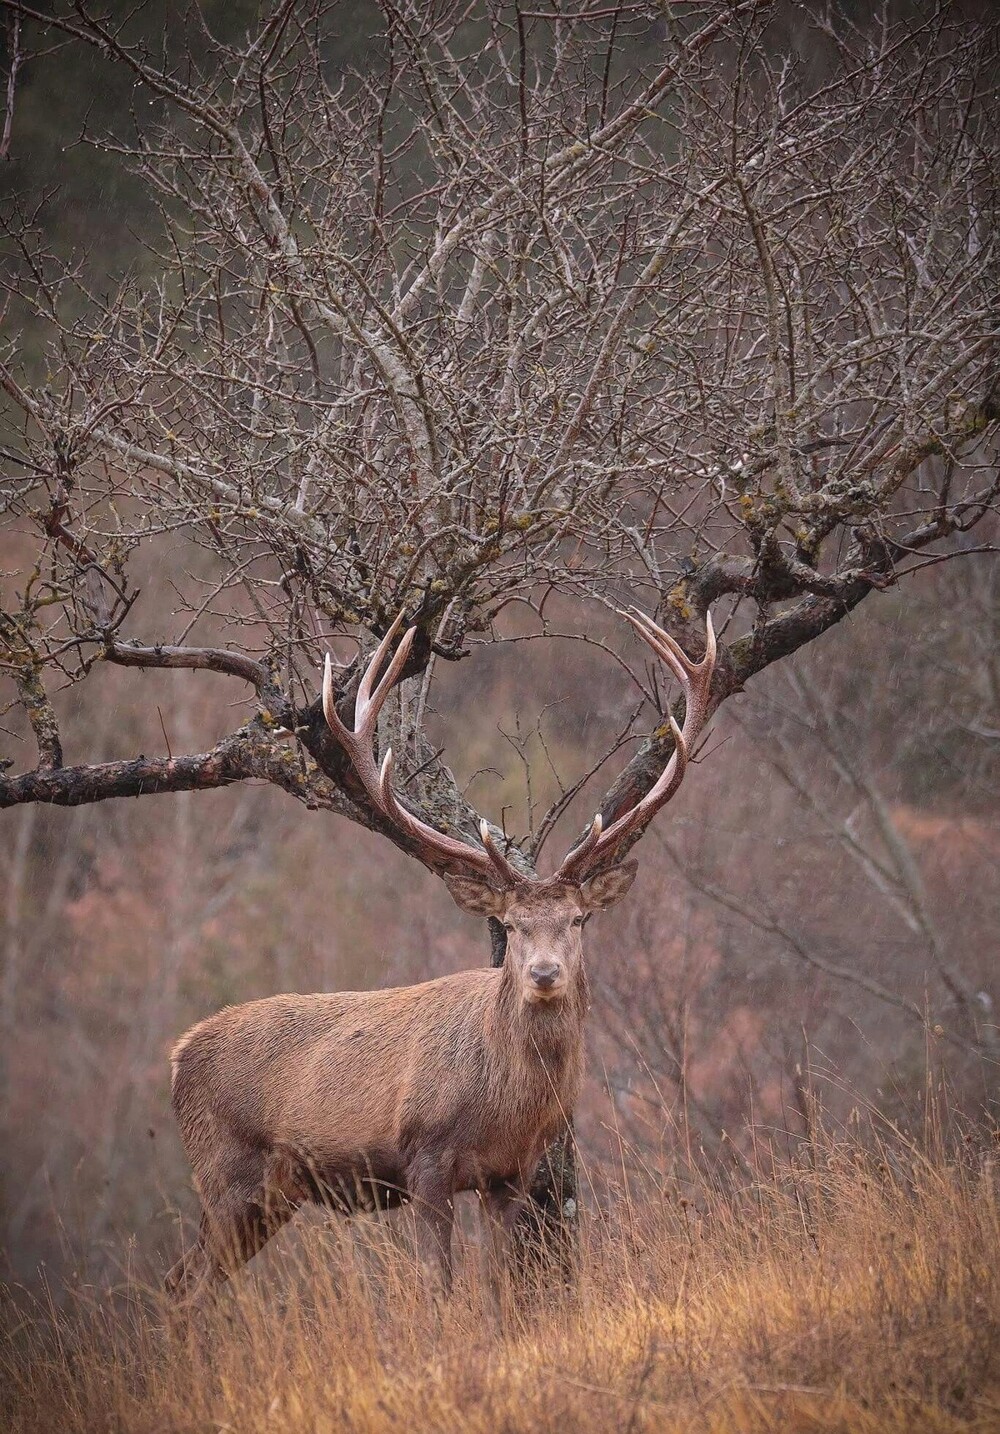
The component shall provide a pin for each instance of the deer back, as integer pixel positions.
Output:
(366, 1080)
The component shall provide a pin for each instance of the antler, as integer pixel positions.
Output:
(696, 680)
(358, 744)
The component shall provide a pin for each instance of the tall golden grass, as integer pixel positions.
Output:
(854, 1287)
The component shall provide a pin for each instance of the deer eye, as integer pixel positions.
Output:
(578, 920)
(508, 926)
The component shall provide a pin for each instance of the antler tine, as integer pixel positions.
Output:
(377, 782)
(391, 677)
(366, 705)
(696, 680)
(584, 847)
(491, 861)
(667, 647)
(497, 857)
(364, 701)
(329, 706)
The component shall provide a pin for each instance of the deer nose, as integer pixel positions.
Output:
(545, 975)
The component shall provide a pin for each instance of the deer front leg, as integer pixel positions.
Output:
(431, 1192)
(501, 1203)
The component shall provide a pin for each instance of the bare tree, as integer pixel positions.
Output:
(599, 304)
(839, 909)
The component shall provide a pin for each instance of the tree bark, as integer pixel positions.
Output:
(138, 777)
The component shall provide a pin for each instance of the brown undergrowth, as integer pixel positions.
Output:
(854, 1287)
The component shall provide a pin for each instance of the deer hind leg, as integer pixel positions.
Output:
(194, 1272)
(238, 1218)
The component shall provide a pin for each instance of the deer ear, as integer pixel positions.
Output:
(474, 895)
(608, 887)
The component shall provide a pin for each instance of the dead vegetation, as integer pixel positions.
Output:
(854, 1287)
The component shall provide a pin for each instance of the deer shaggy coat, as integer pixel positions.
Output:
(367, 1099)
(268, 1093)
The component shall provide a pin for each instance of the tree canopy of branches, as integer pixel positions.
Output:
(671, 305)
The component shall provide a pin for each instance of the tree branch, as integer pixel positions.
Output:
(209, 659)
(230, 761)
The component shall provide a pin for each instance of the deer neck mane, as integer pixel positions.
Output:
(541, 1032)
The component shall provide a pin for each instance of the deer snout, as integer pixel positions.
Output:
(544, 974)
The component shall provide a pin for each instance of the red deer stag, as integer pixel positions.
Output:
(368, 1099)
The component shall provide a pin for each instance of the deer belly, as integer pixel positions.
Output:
(368, 1181)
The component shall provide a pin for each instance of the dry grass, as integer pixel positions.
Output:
(857, 1292)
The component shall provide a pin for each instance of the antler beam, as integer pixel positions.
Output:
(695, 679)
(358, 743)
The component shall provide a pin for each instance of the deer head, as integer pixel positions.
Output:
(544, 923)
(542, 916)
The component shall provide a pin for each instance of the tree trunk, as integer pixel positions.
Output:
(547, 1229)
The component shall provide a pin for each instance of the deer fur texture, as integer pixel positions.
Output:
(367, 1100)
(370, 1099)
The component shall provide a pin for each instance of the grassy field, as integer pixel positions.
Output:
(855, 1289)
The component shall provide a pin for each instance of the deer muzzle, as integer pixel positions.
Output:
(546, 978)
